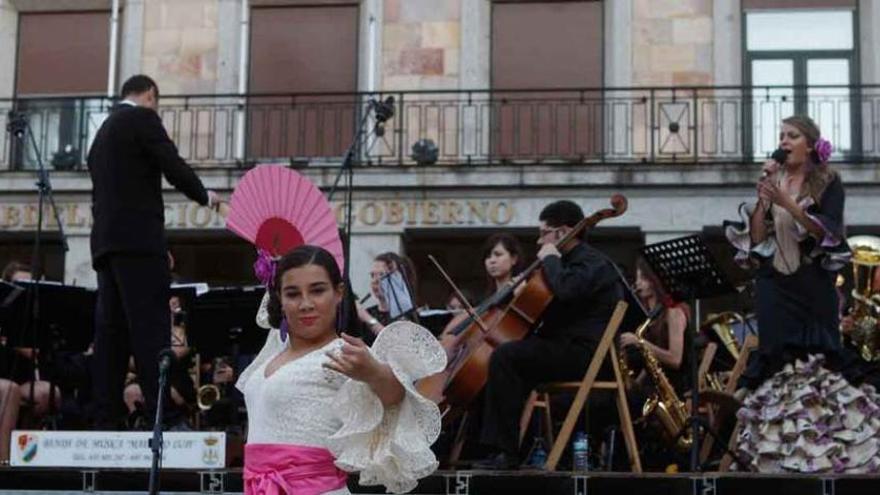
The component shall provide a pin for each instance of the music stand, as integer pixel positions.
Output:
(66, 316)
(222, 322)
(435, 320)
(64, 321)
(689, 272)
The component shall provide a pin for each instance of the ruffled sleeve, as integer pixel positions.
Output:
(391, 447)
(828, 213)
(738, 233)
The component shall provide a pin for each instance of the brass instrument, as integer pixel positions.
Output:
(722, 325)
(715, 381)
(626, 372)
(865, 334)
(207, 396)
(664, 402)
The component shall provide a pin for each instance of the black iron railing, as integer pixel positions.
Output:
(608, 125)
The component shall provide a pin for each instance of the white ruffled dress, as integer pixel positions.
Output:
(303, 403)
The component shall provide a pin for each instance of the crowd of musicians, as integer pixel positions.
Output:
(804, 401)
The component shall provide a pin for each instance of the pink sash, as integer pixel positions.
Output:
(274, 469)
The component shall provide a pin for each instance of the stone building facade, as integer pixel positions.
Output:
(425, 50)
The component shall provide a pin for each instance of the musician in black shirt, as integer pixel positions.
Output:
(585, 287)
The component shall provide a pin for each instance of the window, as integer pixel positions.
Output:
(544, 45)
(295, 50)
(794, 70)
(61, 53)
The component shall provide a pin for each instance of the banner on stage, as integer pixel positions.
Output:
(116, 449)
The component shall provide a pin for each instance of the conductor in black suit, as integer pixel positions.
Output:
(128, 158)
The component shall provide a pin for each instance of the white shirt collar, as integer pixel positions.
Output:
(128, 102)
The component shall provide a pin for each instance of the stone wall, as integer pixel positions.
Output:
(180, 42)
(672, 42)
(421, 44)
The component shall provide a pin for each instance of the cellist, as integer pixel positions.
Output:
(585, 287)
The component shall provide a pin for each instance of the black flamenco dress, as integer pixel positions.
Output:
(811, 407)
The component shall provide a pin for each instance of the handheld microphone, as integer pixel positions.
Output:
(779, 156)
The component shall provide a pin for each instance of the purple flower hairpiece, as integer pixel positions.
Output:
(823, 149)
(264, 267)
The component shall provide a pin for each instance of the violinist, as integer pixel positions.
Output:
(585, 286)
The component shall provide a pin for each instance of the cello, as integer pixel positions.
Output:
(506, 316)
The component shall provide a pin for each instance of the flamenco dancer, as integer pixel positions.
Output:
(321, 403)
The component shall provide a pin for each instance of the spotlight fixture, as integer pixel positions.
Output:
(425, 152)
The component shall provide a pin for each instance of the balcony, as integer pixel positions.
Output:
(693, 125)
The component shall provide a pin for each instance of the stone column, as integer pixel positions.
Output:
(228, 35)
(78, 262)
(476, 38)
(869, 29)
(727, 48)
(8, 37)
(371, 21)
(131, 41)
(618, 43)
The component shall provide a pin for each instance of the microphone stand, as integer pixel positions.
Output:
(156, 443)
(20, 128)
(347, 168)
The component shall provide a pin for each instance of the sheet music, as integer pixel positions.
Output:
(396, 294)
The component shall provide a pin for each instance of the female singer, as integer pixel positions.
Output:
(801, 416)
(320, 404)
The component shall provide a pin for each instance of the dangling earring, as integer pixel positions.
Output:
(340, 320)
(283, 328)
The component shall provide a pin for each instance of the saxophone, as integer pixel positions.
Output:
(664, 402)
(626, 372)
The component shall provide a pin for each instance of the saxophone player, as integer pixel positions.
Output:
(656, 355)
(665, 338)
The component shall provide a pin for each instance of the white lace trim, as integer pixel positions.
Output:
(263, 313)
(391, 447)
(270, 349)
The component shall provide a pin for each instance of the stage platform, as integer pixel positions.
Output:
(57, 481)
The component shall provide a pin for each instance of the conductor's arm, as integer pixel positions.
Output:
(162, 150)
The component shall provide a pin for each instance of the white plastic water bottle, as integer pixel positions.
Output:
(580, 448)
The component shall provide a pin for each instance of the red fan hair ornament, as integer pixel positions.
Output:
(277, 209)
